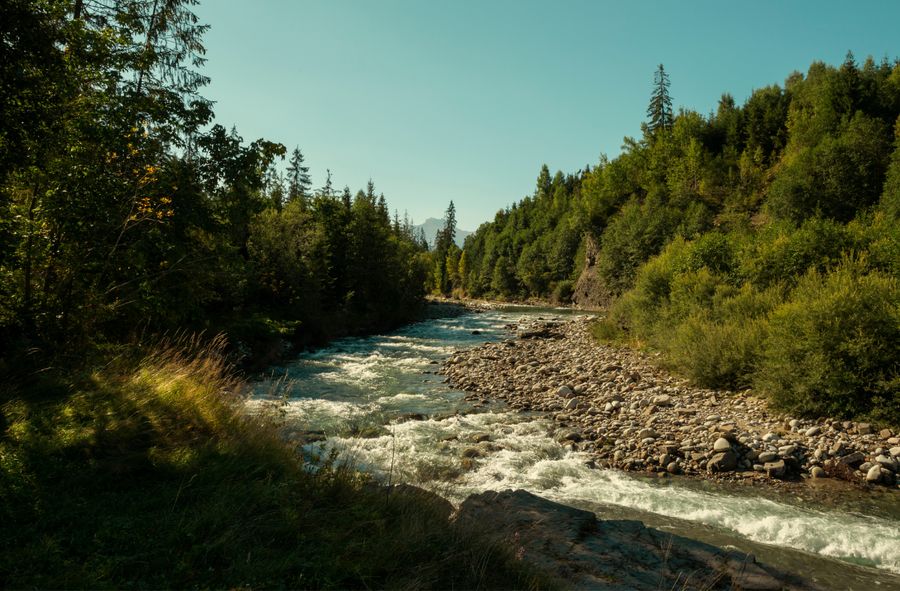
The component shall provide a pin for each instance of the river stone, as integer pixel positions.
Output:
(895, 451)
(885, 433)
(574, 436)
(767, 456)
(722, 444)
(853, 459)
(774, 469)
(839, 448)
(662, 400)
(787, 450)
(565, 392)
(771, 437)
(818, 472)
(647, 433)
(813, 431)
(723, 462)
(887, 462)
(874, 474)
(673, 468)
(864, 428)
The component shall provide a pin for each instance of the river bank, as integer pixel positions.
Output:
(628, 413)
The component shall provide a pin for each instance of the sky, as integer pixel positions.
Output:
(464, 100)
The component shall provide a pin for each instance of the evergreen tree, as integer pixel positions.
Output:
(299, 183)
(660, 110)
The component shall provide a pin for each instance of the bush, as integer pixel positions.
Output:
(784, 254)
(562, 293)
(834, 347)
(717, 354)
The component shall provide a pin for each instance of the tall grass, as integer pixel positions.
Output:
(148, 473)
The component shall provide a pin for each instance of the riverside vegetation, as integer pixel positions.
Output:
(758, 245)
(150, 473)
(126, 212)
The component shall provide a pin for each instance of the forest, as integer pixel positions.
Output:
(757, 245)
(126, 210)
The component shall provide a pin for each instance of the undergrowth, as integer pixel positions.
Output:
(148, 474)
(808, 315)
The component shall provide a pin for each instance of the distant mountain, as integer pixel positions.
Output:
(431, 227)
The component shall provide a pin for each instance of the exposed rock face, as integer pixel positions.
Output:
(630, 414)
(590, 291)
(587, 553)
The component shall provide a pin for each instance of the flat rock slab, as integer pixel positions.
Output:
(587, 553)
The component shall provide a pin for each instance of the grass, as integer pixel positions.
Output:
(145, 473)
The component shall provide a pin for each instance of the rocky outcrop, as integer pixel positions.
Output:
(587, 553)
(590, 291)
(621, 407)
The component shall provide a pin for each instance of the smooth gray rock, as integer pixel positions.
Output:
(767, 456)
(722, 444)
(874, 473)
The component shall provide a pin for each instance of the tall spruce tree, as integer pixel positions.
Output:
(659, 112)
(299, 183)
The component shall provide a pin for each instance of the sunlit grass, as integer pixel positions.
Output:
(148, 473)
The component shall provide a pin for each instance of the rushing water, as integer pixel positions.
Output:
(385, 410)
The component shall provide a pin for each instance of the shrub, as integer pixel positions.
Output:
(785, 254)
(717, 354)
(834, 347)
(562, 293)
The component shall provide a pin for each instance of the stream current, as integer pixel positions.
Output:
(385, 411)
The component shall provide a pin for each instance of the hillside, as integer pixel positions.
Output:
(754, 246)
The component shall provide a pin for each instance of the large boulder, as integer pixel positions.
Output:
(587, 553)
(725, 461)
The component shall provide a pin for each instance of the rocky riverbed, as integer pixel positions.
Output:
(628, 413)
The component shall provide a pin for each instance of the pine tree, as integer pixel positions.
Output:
(299, 183)
(659, 112)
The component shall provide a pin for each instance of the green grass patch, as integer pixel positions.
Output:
(149, 475)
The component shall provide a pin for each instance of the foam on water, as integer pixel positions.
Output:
(521, 455)
(376, 380)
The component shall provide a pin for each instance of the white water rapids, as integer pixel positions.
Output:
(361, 391)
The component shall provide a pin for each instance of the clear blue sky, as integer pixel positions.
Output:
(465, 99)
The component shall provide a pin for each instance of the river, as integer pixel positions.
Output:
(384, 410)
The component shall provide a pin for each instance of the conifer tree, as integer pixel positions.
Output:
(299, 183)
(659, 112)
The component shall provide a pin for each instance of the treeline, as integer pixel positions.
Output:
(124, 209)
(756, 246)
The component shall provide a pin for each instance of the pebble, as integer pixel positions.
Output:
(620, 407)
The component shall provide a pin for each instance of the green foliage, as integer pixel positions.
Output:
(835, 177)
(834, 346)
(782, 254)
(152, 474)
(133, 212)
(635, 234)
